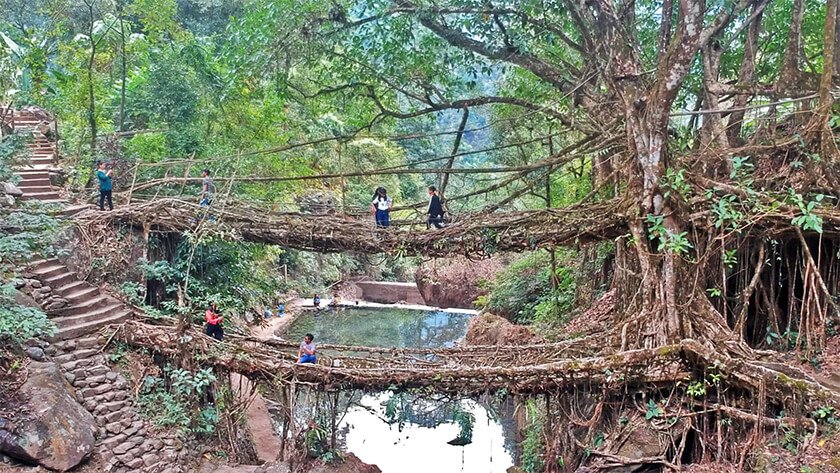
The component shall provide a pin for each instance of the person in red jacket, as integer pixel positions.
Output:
(213, 327)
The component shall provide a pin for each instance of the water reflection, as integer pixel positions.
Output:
(403, 328)
(423, 448)
(415, 439)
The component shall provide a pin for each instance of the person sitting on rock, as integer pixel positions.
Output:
(306, 353)
(213, 325)
(336, 300)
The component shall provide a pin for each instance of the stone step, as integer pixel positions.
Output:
(36, 168)
(79, 343)
(70, 287)
(80, 293)
(71, 365)
(50, 195)
(59, 280)
(47, 271)
(42, 263)
(86, 328)
(28, 182)
(34, 189)
(89, 314)
(24, 171)
(75, 355)
(87, 306)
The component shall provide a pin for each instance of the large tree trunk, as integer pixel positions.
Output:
(790, 74)
(746, 73)
(713, 132)
(654, 275)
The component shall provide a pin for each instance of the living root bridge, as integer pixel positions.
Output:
(472, 234)
(480, 369)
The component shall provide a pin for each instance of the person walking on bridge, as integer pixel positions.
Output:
(208, 189)
(381, 207)
(435, 209)
(306, 353)
(105, 186)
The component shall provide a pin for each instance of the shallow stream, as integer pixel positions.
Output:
(418, 441)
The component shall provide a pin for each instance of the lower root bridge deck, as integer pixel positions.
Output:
(479, 369)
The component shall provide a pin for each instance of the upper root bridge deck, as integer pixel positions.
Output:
(472, 234)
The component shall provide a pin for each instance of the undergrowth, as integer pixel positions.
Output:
(523, 291)
(181, 400)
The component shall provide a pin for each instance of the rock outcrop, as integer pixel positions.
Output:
(55, 431)
(489, 329)
(455, 282)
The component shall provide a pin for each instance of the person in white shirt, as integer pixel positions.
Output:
(381, 207)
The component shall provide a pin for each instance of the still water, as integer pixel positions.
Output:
(420, 444)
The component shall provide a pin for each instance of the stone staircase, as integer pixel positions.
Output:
(77, 307)
(35, 176)
(126, 442)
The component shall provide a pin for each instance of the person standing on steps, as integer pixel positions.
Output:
(213, 325)
(208, 189)
(435, 209)
(306, 353)
(381, 207)
(105, 186)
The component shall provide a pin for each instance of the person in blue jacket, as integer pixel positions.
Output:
(105, 186)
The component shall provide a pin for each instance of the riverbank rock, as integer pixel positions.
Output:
(53, 430)
(351, 464)
(457, 281)
(489, 329)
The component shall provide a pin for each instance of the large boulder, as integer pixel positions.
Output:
(11, 189)
(457, 281)
(52, 429)
(489, 329)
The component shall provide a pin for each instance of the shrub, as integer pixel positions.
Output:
(523, 292)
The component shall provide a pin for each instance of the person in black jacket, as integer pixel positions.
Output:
(435, 210)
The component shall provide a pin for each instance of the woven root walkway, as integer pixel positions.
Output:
(469, 370)
(472, 234)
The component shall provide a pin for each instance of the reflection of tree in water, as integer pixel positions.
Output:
(401, 409)
(394, 328)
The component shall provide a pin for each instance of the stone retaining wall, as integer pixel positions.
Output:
(390, 292)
